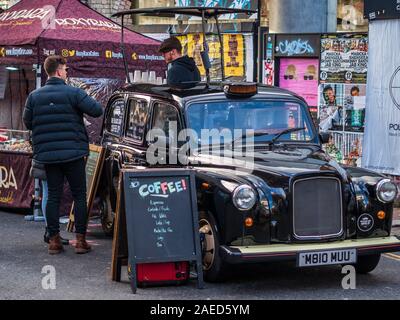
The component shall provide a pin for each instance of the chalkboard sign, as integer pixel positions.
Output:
(161, 217)
(94, 165)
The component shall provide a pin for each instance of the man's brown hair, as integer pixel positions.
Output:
(52, 63)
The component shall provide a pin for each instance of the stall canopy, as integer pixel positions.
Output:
(32, 30)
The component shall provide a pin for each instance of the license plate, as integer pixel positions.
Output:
(324, 258)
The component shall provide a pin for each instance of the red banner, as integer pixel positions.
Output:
(16, 186)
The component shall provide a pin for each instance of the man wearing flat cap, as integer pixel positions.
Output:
(183, 71)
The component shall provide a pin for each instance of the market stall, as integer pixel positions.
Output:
(32, 30)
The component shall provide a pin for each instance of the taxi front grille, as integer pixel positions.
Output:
(317, 208)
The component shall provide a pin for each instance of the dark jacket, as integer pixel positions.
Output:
(183, 70)
(54, 113)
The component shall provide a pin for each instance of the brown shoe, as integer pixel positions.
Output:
(82, 246)
(55, 245)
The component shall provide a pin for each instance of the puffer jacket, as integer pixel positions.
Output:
(183, 73)
(54, 113)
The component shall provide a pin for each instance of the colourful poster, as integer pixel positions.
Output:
(342, 107)
(330, 107)
(269, 71)
(344, 59)
(234, 55)
(300, 76)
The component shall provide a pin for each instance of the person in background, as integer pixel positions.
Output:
(182, 71)
(329, 96)
(55, 113)
(38, 171)
(355, 91)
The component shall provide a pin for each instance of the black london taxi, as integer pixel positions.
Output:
(295, 204)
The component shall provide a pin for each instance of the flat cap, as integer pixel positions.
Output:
(170, 44)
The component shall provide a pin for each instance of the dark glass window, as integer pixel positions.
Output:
(137, 118)
(115, 119)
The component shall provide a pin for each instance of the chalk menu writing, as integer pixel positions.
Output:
(159, 212)
(159, 216)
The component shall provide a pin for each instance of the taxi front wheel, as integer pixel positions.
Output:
(213, 266)
(107, 216)
(366, 264)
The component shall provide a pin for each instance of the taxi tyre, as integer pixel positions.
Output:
(106, 215)
(215, 272)
(366, 264)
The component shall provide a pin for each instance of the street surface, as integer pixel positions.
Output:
(23, 254)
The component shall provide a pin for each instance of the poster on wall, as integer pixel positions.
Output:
(269, 72)
(234, 54)
(194, 47)
(300, 76)
(330, 106)
(382, 128)
(344, 59)
(342, 107)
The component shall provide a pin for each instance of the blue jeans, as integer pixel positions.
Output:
(45, 196)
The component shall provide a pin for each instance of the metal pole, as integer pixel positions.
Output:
(221, 48)
(257, 45)
(38, 76)
(128, 80)
(37, 208)
(205, 45)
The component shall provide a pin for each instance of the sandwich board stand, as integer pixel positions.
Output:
(160, 210)
(94, 165)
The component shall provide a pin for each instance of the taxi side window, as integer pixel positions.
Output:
(115, 120)
(166, 118)
(137, 118)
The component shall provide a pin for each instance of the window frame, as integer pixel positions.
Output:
(167, 103)
(108, 117)
(138, 98)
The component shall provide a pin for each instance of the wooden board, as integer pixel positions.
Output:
(120, 242)
(94, 165)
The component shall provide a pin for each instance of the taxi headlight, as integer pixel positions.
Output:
(386, 191)
(244, 197)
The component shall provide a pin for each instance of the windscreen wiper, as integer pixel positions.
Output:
(255, 133)
(280, 134)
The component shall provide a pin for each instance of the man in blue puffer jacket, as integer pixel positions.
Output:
(54, 113)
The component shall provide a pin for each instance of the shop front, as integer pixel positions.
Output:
(291, 61)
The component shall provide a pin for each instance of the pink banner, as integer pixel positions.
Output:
(301, 77)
